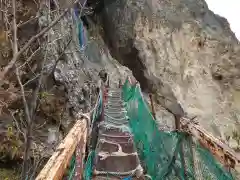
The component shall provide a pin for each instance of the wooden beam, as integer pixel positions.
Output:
(80, 156)
(220, 150)
(58, 163)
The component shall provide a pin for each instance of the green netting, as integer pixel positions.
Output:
(89, 166)
(167, 155)
(72, 168)
(98, 108)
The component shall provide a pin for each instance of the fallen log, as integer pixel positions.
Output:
(59, 161)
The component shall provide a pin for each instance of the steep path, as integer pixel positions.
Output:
(116, 156)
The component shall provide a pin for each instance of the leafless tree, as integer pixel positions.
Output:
(29, 105)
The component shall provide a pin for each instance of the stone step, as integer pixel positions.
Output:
(112, 115)
(111, 147)
(115, 123)
(111, 109)
(115, 149)
(120, 163)
(109, 177)
(116, 118)
(117, 139)
(113, 131)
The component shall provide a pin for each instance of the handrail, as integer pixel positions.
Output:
(220, 150)
(77, 136)
(57, 164)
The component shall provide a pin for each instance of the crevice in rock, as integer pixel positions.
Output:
(132, 61)
(129, 59)
(128, 56)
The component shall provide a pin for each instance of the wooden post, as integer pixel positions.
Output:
(59, 161)
(152, 106)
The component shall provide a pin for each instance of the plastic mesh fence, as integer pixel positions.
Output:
(89, 166)
(167, 155)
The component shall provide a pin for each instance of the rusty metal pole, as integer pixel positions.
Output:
(177, 122)
(152, 106)
(193, 154)
(120, 83)
(178, 128)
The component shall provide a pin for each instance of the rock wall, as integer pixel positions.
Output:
(183, 53)
(76, 69)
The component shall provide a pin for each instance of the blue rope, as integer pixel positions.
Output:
(76, 12)
(127, 178)
(81, 34)
(80, 28)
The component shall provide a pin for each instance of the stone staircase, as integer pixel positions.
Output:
(116, 156)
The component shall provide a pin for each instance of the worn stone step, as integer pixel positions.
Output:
(122, 111)
(110, 146)
(114, 94)
(117, 139)
(110, 177)
(114, 107)
(117, 163)
(117, 124)
(117, 117)
(115, 149)
(111, 105)
(112, 130)
(117, 177)
(111, 109)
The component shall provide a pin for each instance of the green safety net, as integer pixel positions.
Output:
(95, 115)
(71, 168)
(167, 155)
(98, 107)
(163, 154)
(89, 166)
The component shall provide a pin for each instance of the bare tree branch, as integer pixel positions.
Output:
(34, 38)
(19, 128)
(15, 51)
(14, 25)
(27, 136)
(26, 22)
(29, 107)
(36, 91)
(29, 58)
(54, 68)
(34, 78)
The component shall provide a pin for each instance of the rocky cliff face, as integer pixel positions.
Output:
(177, 49)
(183, 53)
(69, 82)
(76, 71)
